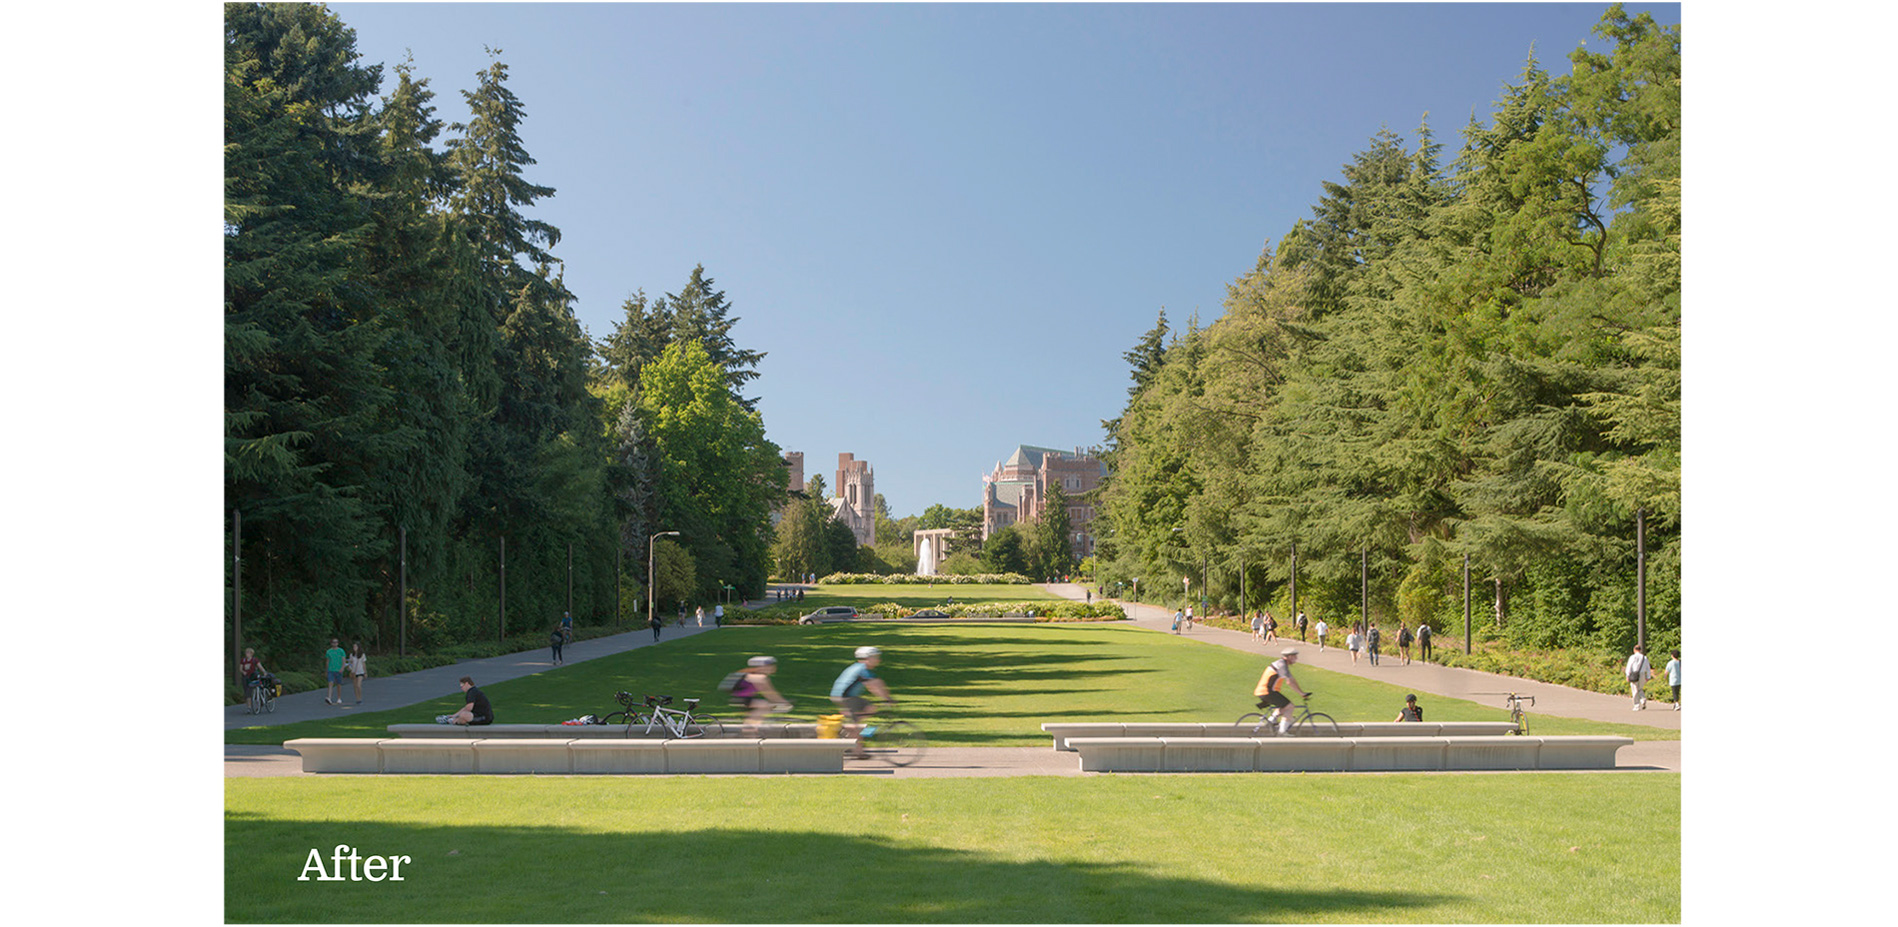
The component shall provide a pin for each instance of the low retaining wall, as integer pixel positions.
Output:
(1063, 730)
(569, 756)
(583, 731)
(1343, 754)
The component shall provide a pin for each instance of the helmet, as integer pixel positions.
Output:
(1289, 652)
(762, 661)
(865, 653)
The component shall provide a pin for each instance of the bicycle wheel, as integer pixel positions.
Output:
(1252, 720)
(615, 717)
(1316, 724)
(256, 700)
(898, 743)
(704, 726)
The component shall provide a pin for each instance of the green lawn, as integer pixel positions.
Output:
(971, 685)
(1418, 848)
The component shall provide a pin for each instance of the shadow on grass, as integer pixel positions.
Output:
(492, 874)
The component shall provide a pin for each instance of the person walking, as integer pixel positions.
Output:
(1370, 644)
(1179, 615)
(1258, 626)
(656, 622)
(333, 665)
(554, 640)
(1271, 628)
(358, 666)
(1639, 671)
(1423, 641)
(1353, 642)
(718, 616)
(1321, 628)
(700, 615)
(1301, 627)
(1403, 644)
(1673, 673)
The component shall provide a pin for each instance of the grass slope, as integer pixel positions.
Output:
(1110, 849)
(968, 685)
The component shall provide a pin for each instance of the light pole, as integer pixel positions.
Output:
(651, 584)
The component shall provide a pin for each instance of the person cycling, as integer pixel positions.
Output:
(856, 679)
(755, 693)
(1277, 675)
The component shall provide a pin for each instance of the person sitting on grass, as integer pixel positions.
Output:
(1411, 710)
(1277, 675)
(475, 710)
(755, 693)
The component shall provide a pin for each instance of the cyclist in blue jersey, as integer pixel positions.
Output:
(848, 691)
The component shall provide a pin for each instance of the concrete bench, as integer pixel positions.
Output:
(337, 754)
(1063, 730)
(771, 729)
(561, 756)
(1341, 754)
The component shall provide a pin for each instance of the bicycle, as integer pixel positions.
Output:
(681, 723)
(1305, 722)
(894, 741)
(263, 695)
(1514, 703)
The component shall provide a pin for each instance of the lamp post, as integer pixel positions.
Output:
(651, 584)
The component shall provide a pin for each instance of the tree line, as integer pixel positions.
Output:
(410, 402)
(1477, 361)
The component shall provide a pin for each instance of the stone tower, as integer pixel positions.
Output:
(855, 503)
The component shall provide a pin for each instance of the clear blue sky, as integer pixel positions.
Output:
(945, 223)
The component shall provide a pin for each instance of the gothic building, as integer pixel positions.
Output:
(855, 502)
(1017, 491)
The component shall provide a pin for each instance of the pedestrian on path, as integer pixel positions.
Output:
(358, 665)
(333, 666)
(1258, 626)
(1403, 644)
(1271, 628)
(554, 640)
(1353, 642)
(1639, 671)
(655, 626)
(1178, 616)
(1673, 672)
(1301, 627)
(718, 616)
(1423, 641)
(1321, 629)
(1370, 641)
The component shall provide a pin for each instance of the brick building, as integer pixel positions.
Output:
(1017, 491)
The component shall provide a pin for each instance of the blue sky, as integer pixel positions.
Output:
(945, 223)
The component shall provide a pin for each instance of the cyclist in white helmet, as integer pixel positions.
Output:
(755, 693)
(858, 678)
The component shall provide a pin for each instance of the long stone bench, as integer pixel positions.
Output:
(569, 756)
(1343, 754)
(1062, 730)
(582, 731)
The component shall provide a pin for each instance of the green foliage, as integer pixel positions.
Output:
(1480, 360)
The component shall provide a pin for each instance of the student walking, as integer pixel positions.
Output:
(333, 666)
(1639, 671)
(1321, 628)
(1423, 641)
(358, 665)
(1673, 673)
(1370, 641)
(1403, 644)
(1353, 642)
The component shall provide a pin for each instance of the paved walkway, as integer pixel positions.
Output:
(412, 688)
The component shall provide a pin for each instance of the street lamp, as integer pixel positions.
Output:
(651, 583)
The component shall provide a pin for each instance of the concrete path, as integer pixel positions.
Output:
(1425, 678)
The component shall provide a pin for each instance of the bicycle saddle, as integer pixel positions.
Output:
(691, 703)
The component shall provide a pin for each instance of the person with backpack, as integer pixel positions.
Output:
(1423, 641)
(751, 689)
(1411, 710)
(1639, 671)
(1403, 644)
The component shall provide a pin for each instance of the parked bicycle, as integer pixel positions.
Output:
(1514, 704)
(1305, 722)
(657, 716)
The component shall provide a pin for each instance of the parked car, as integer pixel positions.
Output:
(829, 613)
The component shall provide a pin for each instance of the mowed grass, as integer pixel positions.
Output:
(966, 685)
(1363, 848)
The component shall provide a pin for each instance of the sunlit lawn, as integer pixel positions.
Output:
(1417, 848)
(973, 685)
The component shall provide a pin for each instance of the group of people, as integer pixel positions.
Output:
(1639, 671)
(853, 691)
(1369, 641)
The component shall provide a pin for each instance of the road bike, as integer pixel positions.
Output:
(657, 716)
(1514, 703)
(892, 740)
(1305, 722)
